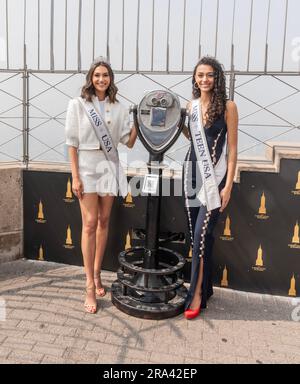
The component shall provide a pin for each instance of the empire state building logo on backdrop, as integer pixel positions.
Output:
(259, 265)
(224, 281)
(295, 239)
(69, 241)
(262, 211)
(41, 254)
(292, 290)
(69, 195)
(40, 216)
(128, 241)
(227, 234)
(128, 203)
(296, 191)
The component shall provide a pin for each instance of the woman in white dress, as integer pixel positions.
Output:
(94, 183)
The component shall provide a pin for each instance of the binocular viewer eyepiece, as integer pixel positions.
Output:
(159, 119)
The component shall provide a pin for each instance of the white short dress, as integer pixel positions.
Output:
(94, 170)
(95, 173)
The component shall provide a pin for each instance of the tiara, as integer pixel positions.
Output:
(101, 59)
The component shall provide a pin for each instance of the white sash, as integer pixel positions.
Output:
(209, 193)
(106, 143)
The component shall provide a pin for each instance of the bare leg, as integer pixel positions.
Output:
(105, 204)
(89, 213)
(195, 304)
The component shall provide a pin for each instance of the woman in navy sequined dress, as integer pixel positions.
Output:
(220, 122)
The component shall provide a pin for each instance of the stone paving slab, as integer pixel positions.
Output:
(45, 323)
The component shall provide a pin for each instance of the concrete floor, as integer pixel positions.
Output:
(42, 321)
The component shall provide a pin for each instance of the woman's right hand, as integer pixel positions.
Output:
(77, 187)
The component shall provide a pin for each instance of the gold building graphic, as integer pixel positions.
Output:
(69, 241)
(40, 217)
(128, 241)
(297, 190)
(224, 282)
(292, 291)
(69, 195)
(227, 231)
(69, 237)
(41, 211)
(296, 238)
(41, 254)
(298, 182)
(227, 235)
(259, 260)
(191, 253)
(262, 208)
(259, 264)
(129, 201)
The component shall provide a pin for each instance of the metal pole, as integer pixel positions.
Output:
(152, 44)
(25, 111)
(267, 38)
(168, 39)
(108, 30)
(233, 24)
(250, 36)
(51, 37)
(79, 37)
(232, 76)
(7, 50)
(285, 33)
(24, 23)
(66, 31)
(200, 30)
(232, 86)
(266, 58)
(217, 28)
(123, 33)
(183, 37)
(94, 28)
(39, 27)
(138, 36)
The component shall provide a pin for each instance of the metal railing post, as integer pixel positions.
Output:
(25, 78)
(232, 76)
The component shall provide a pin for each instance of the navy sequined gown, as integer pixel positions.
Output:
(202, 222)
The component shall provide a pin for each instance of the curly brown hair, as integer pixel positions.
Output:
(88, 89)
(219, 98)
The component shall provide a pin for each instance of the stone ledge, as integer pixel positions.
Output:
(275, 152)
(271, 163)
(11, 246)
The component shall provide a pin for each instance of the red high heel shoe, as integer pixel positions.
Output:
(190, 314)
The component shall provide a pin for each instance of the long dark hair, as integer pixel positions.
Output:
(88, 90)
(219, 98)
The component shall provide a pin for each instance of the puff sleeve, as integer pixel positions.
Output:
(125, 133)
(72, 125)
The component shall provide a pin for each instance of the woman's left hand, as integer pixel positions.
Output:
(132, 137)
(225, 197)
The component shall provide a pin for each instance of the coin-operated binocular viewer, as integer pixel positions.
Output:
(150, 283)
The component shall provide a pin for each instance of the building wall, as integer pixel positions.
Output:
(11, 214)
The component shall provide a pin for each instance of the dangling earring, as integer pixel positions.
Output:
(196, 89)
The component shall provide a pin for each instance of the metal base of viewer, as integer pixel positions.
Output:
(156, 293)
(151, 311)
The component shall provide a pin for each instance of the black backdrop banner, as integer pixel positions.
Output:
(257, 245)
